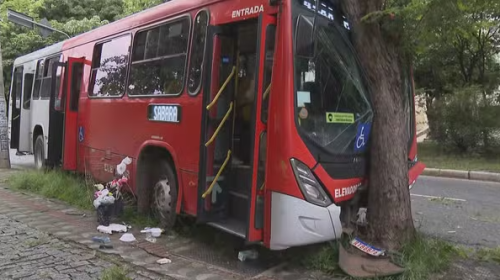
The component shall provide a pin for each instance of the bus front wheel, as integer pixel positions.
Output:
(39, 153)
(165, 194)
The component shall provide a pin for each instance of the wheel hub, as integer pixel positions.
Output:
(162, 198)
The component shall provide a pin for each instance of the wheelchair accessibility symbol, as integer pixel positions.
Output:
(362, 137)
(81, 134)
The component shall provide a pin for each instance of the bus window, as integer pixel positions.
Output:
(18, 86)
(28, 87)
(159, 60)
(197, 52)
(109, 67)
(47, 77)
(38, 79)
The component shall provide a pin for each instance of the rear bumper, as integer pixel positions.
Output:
(296, 222)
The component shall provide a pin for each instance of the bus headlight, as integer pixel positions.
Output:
(309, 185)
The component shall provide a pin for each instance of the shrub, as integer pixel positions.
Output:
(465, 121)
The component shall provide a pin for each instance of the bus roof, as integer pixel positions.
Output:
(45, 52)
(170, 9)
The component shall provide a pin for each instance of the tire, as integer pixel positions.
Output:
(39, 153)
(164, 194)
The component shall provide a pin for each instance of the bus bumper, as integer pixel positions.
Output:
(296, 222)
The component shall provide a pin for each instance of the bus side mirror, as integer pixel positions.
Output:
(304, 37)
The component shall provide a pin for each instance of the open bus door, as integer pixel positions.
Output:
(56, 115)
(264, 66)
(15, 117)
(72, 95)
(230, 193)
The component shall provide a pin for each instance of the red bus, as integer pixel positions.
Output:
(253, 116)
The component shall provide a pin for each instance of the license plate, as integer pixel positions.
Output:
(370, 250)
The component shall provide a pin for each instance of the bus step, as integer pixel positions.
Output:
(231, 226)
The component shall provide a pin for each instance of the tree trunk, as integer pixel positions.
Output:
(4, 126)
(389, 206)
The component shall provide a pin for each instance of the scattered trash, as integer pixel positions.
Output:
(366, 248)
(155, 232)
(151, 239)
(112, 228)
(248, 255)
(108, 198)
(101, 239)
(128, 237)
(128, 226)
(357, 264)
(99, 187)
(164, 261)
(452, 231)
(361, 216)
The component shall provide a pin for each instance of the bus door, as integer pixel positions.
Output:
(15, 117)
(217, 126)
(71, 95)
(56, 113)
(25, 141)
(264, 63)
(235, 126)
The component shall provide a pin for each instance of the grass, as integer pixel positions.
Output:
(70, 189)
(489, 254)
(56, 185)
(115, 273)
(422, 258)
(435, 156)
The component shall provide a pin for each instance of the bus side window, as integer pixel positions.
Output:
(28, 87)
(109, 67)
(38, 79)
(18, 86)
(159, 59)
(197, 52)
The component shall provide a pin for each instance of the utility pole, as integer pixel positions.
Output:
(4, 122)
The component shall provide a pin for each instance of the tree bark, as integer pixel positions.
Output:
(389, 206)
(4, 126)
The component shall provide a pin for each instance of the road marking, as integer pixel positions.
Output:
(439, 197)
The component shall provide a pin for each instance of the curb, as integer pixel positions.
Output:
(463, 174)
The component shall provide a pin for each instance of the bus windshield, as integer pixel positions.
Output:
(331, 99)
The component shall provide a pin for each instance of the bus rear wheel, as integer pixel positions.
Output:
(39, 153)
(165, 195)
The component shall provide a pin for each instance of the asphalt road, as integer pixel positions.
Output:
(463, 211)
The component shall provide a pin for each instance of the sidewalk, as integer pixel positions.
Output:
(191, 259)
(463, 174)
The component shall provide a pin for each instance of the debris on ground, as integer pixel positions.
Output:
(154, 232)
(112, 228)
(108, 199)
(356, 263)
(248, 255)
(164, 261)
(367, 248)
(128, 237)
(101, 239)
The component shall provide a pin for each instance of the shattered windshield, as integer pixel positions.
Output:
(331, 101)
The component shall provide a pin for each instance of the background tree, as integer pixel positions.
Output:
(4, 130)
(450, 43)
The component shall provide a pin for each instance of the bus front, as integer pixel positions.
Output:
(323, 162)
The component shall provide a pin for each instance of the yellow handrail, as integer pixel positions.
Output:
(220, 125)
(209, 190)
(266, 93)
(222, 89)
(263, 185)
